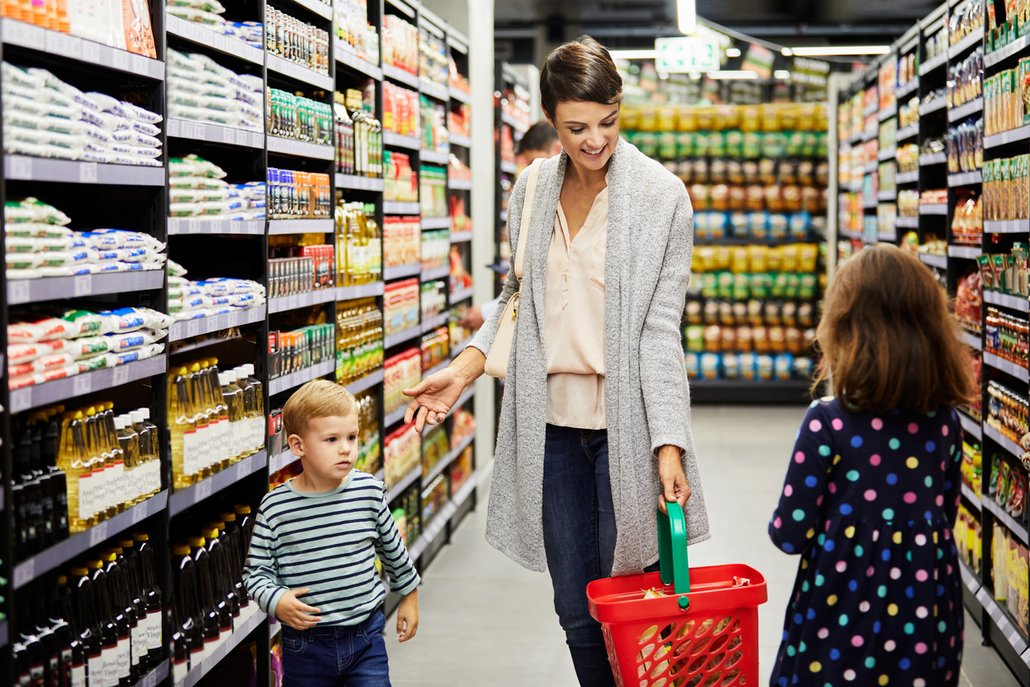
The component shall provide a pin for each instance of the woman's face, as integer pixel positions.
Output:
(588, 131)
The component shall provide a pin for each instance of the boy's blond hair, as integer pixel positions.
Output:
(318, 398)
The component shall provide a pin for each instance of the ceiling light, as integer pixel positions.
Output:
(732, 52)
(647, 54)
(734, 74)
(686, 14)
(782, 74)
(844, 50)
(786, 52)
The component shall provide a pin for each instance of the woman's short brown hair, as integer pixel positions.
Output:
(581, 70)
(888, 338)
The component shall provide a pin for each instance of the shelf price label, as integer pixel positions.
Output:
(87, 172)
(98, 534)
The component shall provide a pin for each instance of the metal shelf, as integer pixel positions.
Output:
(934, 209)
(905, 133)
(460, 96)
(463, 399)
(969, 578)
(434, 322)
(397, 207)
(25, 168)
(305, 149)
(461, 236)
(965, 179)
(938, 261)
(356, 183)
(508, 120)
(971, 497)
(282, 461)
(1007, 226)
(393, 418)
(461, 141)
(460, 295)
(1019, 303)
(434, 223)
(466, 490)
(887, 196)
(458, 348)
(402, 484)
(402, 271)
(932, 159)
(1001, 619)
(434, 157)
(963, 111)
(749, 391)
(449, 458)
(182, 499)
(459, 184)
(214, 133)
(1014, 449)
(441, 272)
(971, 426)
(888, 112)
(436, 368)
(889, 238)
(1007, 366)
(397, 339)
(57, 44)
(907, 89)
(299, 72)
(279, 227)
(21, 291)
(183, 226)
(358, 64)
(350, 293)
(1016, 47)
(434, 90)
(63, 390)
(999, 513)
(931, 65)
(295, 379)
(935, 105)
(201, 35)
(400, 76)
(300, 300)
(974, 38)
(1007, 137)
(435, 528)
(906, 222)
(968, 252)
(243, 630)
(78, 544)
(315, 7)
(366, 382)
(907, 177)
(188, 329)
(887, 154)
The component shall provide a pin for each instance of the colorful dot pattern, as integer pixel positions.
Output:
(869, 502)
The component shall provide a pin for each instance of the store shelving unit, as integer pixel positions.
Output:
(209, 247)
(997, 625)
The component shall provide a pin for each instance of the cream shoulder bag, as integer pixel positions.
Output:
(500, 352)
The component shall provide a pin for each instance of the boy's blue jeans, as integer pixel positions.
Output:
(579, 539)
(337, 656)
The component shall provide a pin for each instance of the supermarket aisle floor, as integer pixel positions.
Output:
(486, 621)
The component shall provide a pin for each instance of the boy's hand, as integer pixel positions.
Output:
(407, 617)
(296, 613)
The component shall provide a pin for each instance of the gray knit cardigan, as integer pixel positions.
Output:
(650, 237)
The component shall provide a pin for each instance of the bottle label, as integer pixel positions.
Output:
(120, 493)
(85, 497)
(110, 668)
(78, 676)
(139, 642)
(123, 658)
(95, 671)
(189, 440)
(153, 630)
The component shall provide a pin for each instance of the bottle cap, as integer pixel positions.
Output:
(144, 413)
(248, 368)
(225, 379)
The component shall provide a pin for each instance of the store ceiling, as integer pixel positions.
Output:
(631, 23)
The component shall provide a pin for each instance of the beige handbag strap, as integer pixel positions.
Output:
(527, 211)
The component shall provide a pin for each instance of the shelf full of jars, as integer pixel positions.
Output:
(757, 178)
(279, 188)
(934, 154)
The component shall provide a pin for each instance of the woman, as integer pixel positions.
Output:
(594, 428)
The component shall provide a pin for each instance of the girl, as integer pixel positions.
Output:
(872, 488)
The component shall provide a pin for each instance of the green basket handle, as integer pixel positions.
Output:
(672, 551)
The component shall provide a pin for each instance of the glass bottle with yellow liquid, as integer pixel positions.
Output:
(183, 429)
(73, 460)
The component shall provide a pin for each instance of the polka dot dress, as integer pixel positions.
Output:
(868, 503)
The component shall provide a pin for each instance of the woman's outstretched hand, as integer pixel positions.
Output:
(433, 398)
(675, 486)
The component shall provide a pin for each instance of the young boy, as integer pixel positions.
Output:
(315, 538)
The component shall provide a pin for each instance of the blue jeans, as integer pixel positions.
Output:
(579, 539)
(337, 656)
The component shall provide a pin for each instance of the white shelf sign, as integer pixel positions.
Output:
(685, 54)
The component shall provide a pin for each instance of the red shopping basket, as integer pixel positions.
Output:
(702, 633)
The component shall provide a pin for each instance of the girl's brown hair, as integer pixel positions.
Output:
(888, 338)
(580, 70)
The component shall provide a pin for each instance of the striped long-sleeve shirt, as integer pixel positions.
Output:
(327, 542)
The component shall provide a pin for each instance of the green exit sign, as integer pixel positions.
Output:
(686, 54)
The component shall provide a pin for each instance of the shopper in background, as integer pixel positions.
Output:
(873, 486)
(594, 430)
(539, 141)
(311, 562)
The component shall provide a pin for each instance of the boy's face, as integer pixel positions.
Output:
(328, 447)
